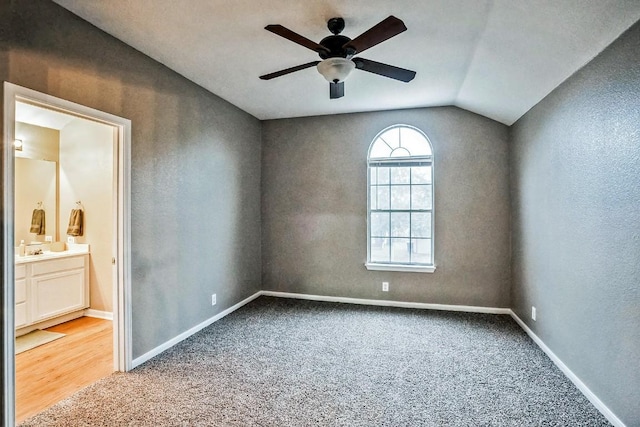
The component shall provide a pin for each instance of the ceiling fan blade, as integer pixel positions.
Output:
(385, 70)
(336, 90)
(289, 70)
(380, 32)
(295, 37)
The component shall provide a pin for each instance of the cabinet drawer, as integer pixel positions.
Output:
(21, 290)
(54, 266)
(21, 271)
(21, 314)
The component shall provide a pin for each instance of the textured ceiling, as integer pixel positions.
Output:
(496, 58)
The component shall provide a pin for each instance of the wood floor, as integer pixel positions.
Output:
(51, 372)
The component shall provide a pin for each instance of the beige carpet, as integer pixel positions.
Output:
(35, 339)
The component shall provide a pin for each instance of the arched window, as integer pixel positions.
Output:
(400, 201)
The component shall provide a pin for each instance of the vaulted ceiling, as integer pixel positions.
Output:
(497, 58)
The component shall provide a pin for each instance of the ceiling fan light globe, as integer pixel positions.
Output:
(336, 70)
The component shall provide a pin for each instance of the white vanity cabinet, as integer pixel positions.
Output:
(50, 288)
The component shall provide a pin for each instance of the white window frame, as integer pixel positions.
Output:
(402, 267)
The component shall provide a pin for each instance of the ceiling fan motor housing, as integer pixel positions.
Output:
(335, 45)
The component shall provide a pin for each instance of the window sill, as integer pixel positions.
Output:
(401, 267)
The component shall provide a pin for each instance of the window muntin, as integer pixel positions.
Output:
(400, 197)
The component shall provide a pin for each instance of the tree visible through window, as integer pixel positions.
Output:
(400, 223)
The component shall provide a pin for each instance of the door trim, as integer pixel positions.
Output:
(122, 289)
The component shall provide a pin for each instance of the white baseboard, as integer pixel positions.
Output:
(156, 351)
(600, 406)
(389, 303)
(106, 315)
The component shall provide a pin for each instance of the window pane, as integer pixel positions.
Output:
(379, 250)
(400, 152)
(420, 224)
(400, 197)
(414, 141)
(400, 175)
(373, 197)
(383, 175)
(379, 224)
(391, 137)
(421, 251)
(400, 250)
(373, 172)
(421, 175)
(399, 224)
(383, 197)
(379, 149)
(421, 197)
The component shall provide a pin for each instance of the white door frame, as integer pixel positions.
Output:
(122, 288)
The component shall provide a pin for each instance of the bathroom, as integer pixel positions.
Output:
(63, 163)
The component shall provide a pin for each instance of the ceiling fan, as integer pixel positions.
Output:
(337, 53)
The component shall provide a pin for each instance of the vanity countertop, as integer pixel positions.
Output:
(74, 250)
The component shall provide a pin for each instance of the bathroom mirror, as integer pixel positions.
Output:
(36, 174)
(35, 181)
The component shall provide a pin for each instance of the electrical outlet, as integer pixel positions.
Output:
(385, 286)
(533, 313)
(71, 240)
(213, 299)
(48, 239)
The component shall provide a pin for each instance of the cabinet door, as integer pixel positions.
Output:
(57, 293)
(21, 314)
(21, 290)
(21, 302)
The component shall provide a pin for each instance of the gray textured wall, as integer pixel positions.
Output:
(314, 208)
(195, 194)
(576, 223)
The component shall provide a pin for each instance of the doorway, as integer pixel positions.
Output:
(119, 246)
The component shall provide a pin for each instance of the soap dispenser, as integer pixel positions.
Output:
(22, 248)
